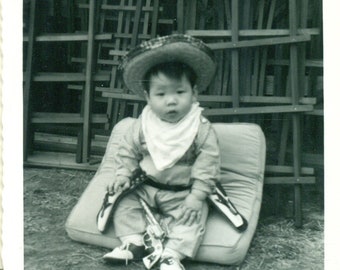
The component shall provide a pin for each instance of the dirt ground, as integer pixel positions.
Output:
(50, 194)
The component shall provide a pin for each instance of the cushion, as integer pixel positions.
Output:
(242, 169)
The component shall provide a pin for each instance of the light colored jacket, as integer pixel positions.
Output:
(199, 167)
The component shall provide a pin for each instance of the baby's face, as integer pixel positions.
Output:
(170, 99)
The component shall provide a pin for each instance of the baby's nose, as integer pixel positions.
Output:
(171, 100)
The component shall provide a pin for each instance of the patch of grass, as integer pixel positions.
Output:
(50, 194)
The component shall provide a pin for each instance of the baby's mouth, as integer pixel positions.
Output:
(172, 112)
(172, 116)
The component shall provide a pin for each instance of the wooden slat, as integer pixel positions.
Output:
(258, 110)
(287, 169)
(258, 42)
(58, 160)
(65, 147)
(64, 37)
(67, 118)
(42, 138)
(251, 32)
(126, 8)
(67, 77)
(119, 52)
(276, 100)
(254, 99)
(99, 61)
(316, 112)
(289, 180)
(102, 138)
(284, 62)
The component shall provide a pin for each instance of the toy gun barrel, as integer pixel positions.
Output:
(154, 227)
(148, 212)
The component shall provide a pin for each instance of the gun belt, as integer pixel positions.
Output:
(154, 184)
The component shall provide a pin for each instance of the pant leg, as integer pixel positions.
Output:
(128, 218)
(181, 238)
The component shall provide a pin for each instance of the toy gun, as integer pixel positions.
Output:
(153, 238)
(221, 201)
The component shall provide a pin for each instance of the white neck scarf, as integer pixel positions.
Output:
(168, 142)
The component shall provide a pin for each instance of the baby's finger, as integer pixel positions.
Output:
(198, 216)
(185, 217)
(126, 185)
(117, 187)
(192, 218)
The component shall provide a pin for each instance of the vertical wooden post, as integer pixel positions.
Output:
(235, 57)
(136, 23)
(180, 16)
(154, 18)
(88, 94)
(245, 22)
(294, 72)
(28, 81)
(190, 15)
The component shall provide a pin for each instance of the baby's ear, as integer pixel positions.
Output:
(146, 95)
(195, 92)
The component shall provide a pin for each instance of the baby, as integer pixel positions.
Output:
(172, 143)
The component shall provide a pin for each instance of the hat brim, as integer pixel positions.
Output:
(177, 49)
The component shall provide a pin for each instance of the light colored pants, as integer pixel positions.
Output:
(129, 218)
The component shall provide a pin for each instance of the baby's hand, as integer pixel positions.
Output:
(191, 210)
(122, 183)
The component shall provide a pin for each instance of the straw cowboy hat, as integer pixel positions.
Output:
(173, 48)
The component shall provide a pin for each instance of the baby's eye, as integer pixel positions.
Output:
(180, 91)
(160, 94)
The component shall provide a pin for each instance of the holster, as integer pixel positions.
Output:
(220, 201)
(112, 199)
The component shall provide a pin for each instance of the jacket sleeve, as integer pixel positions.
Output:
(206, 169)
(128, 155)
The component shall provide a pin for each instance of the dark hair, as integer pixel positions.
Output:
(173, 70)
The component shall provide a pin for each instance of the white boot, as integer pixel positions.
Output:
(125, 252)
(170, 263)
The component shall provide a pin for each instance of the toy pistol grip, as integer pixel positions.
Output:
(150, 260)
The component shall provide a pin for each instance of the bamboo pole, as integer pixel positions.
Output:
(88, 91)
(294, 72)
(235, 57)
(28, 81)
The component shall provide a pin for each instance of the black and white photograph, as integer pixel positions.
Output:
(171, 135)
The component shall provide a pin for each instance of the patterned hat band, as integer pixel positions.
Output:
(174, 48)
(162, 41)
